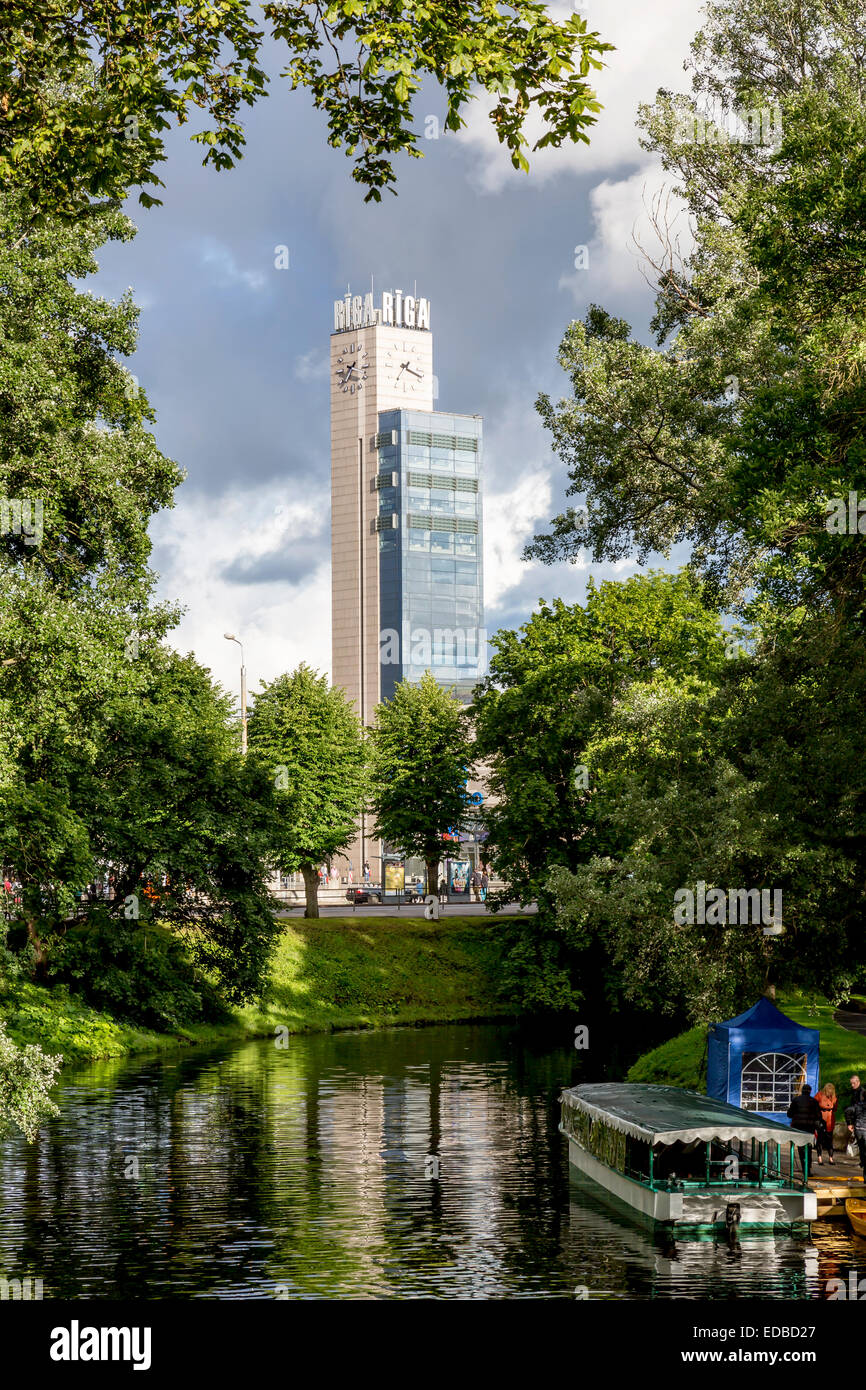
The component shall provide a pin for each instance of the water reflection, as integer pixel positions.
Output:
(408, 1163)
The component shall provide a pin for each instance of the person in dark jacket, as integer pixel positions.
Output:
(855, 1119)
(804, 1114)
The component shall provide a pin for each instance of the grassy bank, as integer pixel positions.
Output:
(355, 972)
(682, 1060)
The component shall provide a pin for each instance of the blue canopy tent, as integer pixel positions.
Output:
(760, 1060)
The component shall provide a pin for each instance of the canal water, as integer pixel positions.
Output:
(399, 1164)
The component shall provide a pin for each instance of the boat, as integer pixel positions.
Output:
(855, 1210)
(686, 1163)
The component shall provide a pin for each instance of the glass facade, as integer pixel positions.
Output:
(431, 604)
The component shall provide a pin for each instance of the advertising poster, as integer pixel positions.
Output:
(395, 877)
(459, 875)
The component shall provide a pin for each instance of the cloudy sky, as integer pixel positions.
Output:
(233, 351)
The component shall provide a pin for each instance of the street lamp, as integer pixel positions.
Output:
(230, 637)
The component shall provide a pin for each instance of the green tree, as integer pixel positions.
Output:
(179, 814)
(551, 686)
(114, 754)
(178, 819)
(733, 432)
(45, 846)
(552, 690)
(736, 428)
(362, 64)
(421, 759)
(308, 740)
(80, 478)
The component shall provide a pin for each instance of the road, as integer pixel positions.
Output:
(452, 909)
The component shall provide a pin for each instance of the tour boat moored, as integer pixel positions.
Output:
(687, 1162)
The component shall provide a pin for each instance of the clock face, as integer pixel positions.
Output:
(351, 369)
(403, 368)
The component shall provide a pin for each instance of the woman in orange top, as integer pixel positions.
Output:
(827, 1102)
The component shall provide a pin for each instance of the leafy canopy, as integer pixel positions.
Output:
(421, 760)
(732, 433)
(362, 61)
(551, 686)
(308, 741)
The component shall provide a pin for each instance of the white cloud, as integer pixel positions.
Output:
(313, 365)
(226, 270)
(622, 223)
(510, 521)
(280, 623)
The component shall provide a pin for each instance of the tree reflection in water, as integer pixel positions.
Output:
(403, 1163)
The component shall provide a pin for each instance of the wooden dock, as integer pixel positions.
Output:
(832, 1185)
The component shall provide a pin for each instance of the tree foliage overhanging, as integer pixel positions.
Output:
(116, 755)
(154, 65)
(734, 432)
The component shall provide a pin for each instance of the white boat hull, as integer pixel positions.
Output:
(701, 1209)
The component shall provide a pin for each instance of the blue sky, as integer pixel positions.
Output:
(232, 351)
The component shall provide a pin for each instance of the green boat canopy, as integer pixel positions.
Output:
(666, 1115)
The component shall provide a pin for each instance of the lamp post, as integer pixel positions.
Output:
(230, 637)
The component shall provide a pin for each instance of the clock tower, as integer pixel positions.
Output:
(406, 583)
(375, 366)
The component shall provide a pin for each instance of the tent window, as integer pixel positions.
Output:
(770, 1080)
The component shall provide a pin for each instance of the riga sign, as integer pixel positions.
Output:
(397, 311)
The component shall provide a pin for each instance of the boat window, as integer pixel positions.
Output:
(770, 1080)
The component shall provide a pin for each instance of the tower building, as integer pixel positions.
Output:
(406, 518)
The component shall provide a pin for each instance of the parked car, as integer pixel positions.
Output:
(363, 895)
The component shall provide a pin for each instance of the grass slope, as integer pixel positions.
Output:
(682, 1060)
(335, 972)
(369, 972)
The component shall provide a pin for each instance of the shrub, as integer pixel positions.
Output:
(26, 1076)
(135, 972)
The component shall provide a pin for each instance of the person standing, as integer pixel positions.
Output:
(443, 892)
(366, 871)
(855, 1119)
(476, 885)
(485, 883)
(805, 1116)
(827, 1102)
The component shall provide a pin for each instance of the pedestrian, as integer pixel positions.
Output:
(805, 1116)
(485, 884)
(366, 871)
(827, 1103)
(855, 1119)
(476, 884)
(443, 891)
